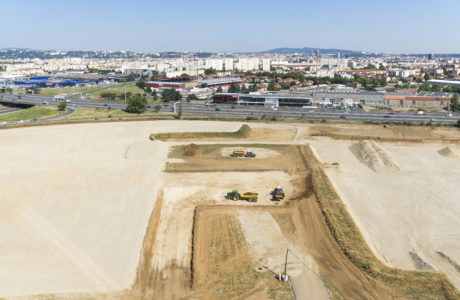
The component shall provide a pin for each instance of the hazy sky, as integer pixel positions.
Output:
(391, 26)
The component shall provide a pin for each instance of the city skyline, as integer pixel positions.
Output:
(153, 26)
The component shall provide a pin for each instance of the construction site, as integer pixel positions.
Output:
(229, 210)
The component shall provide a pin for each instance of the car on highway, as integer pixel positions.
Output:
(398, 111)
(217, 109)
(45, 102)
(34, 120)
(343, 117)
(233, 106)
(387, 116)
(21, 121)
(420, 112)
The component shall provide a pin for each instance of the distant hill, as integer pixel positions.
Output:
(308, 50)
(14, 48)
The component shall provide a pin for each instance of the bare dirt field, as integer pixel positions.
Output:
(99, 211)
(391, 133)
(410, 217)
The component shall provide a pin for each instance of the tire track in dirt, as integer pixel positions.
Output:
(20, 210)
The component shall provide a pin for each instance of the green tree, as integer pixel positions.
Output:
(62, 105)
(136, 104)
(210, 71)
(157, 108)
(131, 77)
(455, 103)
(271, 86)
(233, 88)
(219, 89)
(191, 97)
(140, 84)
(171, 95)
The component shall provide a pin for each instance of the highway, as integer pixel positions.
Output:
(243, 111)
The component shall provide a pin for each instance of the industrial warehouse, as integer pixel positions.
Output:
(267, 99)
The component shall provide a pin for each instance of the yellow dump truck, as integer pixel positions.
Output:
(248, 196)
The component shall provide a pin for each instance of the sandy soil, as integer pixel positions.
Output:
(75, 204)
(392, 132)
(86, 210)
(269, 250)
(449, 152)
(407, 217)
(374, 156)
(181, 199)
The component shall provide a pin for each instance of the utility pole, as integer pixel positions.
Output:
(283, 276)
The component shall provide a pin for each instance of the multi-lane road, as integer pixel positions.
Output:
(243, 111)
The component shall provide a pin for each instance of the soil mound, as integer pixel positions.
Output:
(374, 156)
(260, 152)
(449, 152)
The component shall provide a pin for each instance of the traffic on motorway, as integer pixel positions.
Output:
(243, 111)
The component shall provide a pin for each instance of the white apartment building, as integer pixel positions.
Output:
(248, 64)
(228, 64)
(266, 64)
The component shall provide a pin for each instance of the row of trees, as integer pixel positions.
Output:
(366, 82)
(437, 88)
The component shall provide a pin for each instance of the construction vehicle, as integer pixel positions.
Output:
(241, 153)
(277, 194)
(250, 154)
(248, 196)
(238, 153)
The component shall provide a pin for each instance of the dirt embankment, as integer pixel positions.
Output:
(285, 158)
(302, 224)
(374, 156)
(150, 283)
(391, 133)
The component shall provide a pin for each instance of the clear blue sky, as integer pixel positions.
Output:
(391, 26)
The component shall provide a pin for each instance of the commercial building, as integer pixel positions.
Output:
(430, 102)
(181, 82)
(444, 82)
(219, 81)
(266, 99)
(361, 98)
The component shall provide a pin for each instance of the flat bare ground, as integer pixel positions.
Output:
(99, 211)
(75, 204)
(408, 217)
